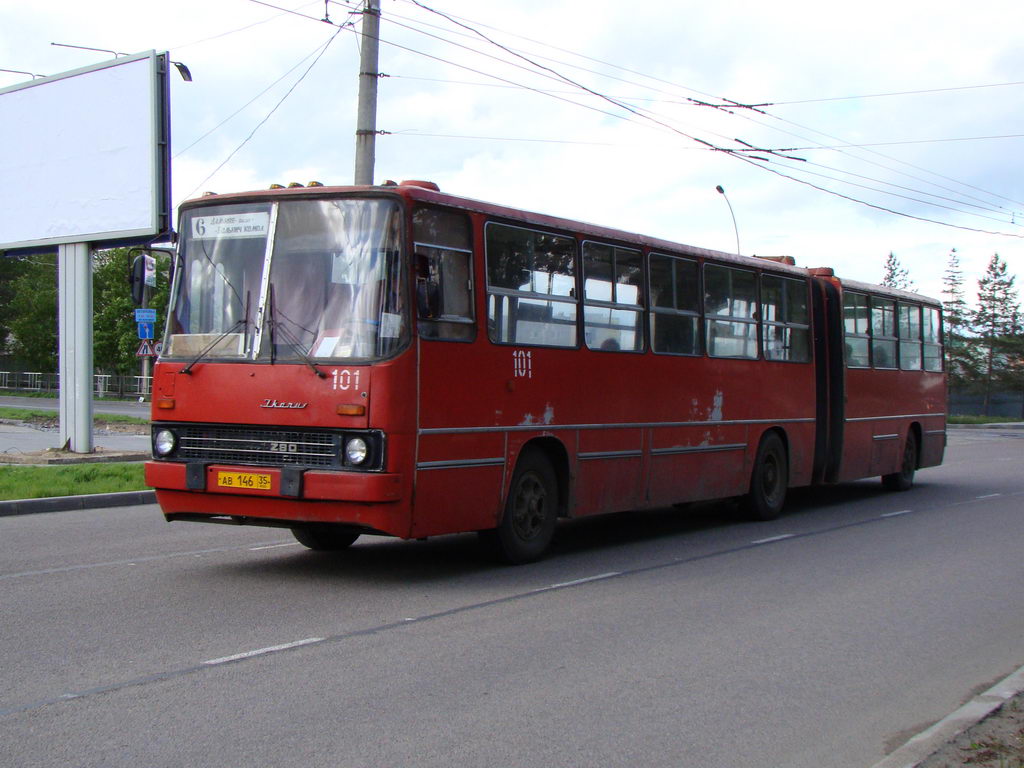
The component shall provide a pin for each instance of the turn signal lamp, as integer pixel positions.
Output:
(165, 403)
(346, 409)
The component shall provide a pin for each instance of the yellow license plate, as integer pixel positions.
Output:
(248, 480)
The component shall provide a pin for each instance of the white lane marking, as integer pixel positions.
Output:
(275, 546)
(772, 539)
(574, 582)
(260, 651)
(897, 514)
(988, 496)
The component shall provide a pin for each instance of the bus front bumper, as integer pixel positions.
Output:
(280, 497)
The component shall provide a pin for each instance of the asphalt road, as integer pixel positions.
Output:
(661, 639)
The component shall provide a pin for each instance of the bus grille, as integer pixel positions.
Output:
(265, 446)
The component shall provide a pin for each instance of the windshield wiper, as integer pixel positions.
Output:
(243, 321)
(289, 337)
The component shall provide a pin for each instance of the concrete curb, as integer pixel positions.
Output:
(66, 503)
(928, 742)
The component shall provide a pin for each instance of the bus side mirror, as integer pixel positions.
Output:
(428, 292)
(142, 271)
(137, 277)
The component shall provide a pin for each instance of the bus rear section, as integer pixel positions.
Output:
(894, 391)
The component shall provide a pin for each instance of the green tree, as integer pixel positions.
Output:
(962, 361)
(33, 314)
(11, 268)
(115, 333)
(997, 321)
(895, 275)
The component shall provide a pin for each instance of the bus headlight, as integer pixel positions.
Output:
(356, 451)
(164, 442)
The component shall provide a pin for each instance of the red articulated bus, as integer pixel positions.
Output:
(394, 360)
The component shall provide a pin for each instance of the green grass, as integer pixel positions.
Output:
(69, 480)
(30, 414)
(981, 420)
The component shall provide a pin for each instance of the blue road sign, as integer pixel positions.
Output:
(146, 330)
(145, 315)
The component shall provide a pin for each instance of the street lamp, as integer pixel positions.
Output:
(721, 191)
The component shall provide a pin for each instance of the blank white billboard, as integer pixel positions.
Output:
(83, 155)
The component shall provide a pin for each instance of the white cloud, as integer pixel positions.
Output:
(618, 172)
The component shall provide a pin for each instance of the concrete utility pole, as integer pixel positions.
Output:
(366, 117)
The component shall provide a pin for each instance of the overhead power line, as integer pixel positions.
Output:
(729, 104)
(760, 157)
(895, 93)
(260, 124)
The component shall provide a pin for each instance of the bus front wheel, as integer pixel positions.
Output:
(531, 510)
(904, 479)
(324, 537)
(769, 480)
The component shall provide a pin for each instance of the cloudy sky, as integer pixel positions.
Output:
(884, 126)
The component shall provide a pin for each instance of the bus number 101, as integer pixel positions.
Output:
(345, 379)
(523, 364)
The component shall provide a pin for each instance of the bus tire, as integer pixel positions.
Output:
(904, 479)
(324, 537)
(531, 511)
(769, 479)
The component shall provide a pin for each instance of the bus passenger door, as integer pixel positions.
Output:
(460, 465)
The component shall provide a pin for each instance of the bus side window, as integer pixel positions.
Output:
(787, 329)
(910, 337)
(730, 307)
(883, 332)
(444, 275)
(531, 286)
(856, 323)
(613, 293)
(932, 345)
(675, 306)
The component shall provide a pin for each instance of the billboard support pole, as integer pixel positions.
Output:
(74, 291)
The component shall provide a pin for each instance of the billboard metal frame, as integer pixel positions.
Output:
(159, 225)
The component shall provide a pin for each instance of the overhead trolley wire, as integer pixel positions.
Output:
(735, 105)
(232, 31)
(745, 154)
(647, 114)
(895, 93)
(248, 103)
(322, 51)
(729, 103)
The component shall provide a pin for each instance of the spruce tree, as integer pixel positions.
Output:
(962, 363)
(997, 320)
(895, 275)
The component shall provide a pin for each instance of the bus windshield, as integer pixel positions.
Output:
(297, 280)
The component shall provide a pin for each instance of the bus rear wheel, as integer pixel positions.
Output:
(769, 480)
(904, 479)
(324, 537)
(531, 510)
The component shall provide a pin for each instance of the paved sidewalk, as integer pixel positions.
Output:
(19, 443)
